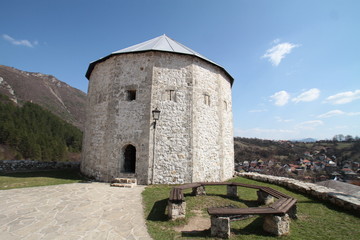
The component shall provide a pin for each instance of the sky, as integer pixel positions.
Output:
(296, 64)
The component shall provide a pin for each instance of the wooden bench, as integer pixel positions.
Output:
(276, 215)
(234, 212)
(274, 192)
(282, 206)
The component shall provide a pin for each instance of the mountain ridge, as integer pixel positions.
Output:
(46, 90)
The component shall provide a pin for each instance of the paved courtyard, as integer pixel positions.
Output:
(72, 211)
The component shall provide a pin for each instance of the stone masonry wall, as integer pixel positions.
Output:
(26, 165)
(206, 120)
(328, 194)
(173, 150)
(212, 125)
(227, 138)
(113, 122)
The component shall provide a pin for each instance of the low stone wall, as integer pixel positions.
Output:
(327, 194)
(27, 165)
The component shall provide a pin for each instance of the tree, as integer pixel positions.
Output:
(36, 133)
(338, 138)
(349, 138)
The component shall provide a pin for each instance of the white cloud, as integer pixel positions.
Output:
(333, 113)
(259, 131)
(281, 98)
(344, 97)
(264, 130)
(265, 133)
(258, 110)
(276, 41)
(278, 52)
(309, 125)
(25, 43)
(279, 119)
(307, 96)
(353, 113)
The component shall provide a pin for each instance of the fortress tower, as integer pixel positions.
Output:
(193, 139)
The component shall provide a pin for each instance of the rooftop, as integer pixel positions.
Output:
(162, 43)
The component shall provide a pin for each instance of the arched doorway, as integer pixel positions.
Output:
(129, 158)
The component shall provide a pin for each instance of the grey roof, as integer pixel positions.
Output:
(346, 188)
(161, 43)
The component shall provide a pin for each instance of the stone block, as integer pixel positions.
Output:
(293, 212)
(220, 227)
(265, 198)
(232, 191)
(176, 210)
(198, 191)
(277, 225)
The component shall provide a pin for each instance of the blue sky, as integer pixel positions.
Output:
(296, 63)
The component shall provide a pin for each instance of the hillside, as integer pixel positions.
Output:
(313, 161)
(31, 132)
(45, 90)
(248, 149)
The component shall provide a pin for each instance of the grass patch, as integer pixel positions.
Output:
(39, 178)
(317, 220)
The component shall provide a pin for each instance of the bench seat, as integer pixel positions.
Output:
(224, 212)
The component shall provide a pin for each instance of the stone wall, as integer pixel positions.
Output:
(173, 146)
(212, 125)
(113, 122)
(323, 193)
(25, 165)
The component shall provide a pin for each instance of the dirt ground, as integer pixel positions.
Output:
(197, 223)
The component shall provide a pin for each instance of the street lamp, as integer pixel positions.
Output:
(156, 116)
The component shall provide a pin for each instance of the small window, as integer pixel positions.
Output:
(131, 95)
(170, 95)
(206, 99)
(225, 105)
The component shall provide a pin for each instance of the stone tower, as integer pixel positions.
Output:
(193, 139)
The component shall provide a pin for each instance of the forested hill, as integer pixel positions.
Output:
(31, 132)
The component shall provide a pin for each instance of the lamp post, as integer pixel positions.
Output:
(156, 116)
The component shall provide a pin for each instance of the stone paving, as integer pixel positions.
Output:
(72, 211)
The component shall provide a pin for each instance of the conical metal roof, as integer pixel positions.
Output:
(161, 43)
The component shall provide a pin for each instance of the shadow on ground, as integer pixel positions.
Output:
(157, 212)
(69, 174)
(194, 234)
(254, 228)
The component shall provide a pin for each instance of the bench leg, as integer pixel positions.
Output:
(232, 191)
(176, 210)
(265, 198)
(293, 212)
(277, 225)
(220, 227)
(198, 191)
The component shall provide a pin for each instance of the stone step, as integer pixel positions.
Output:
(124, 180)
(127, 175)
(123, 185)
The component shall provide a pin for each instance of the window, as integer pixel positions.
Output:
(225, 105)
(131, 95)
(170, 95)
(206, 99)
